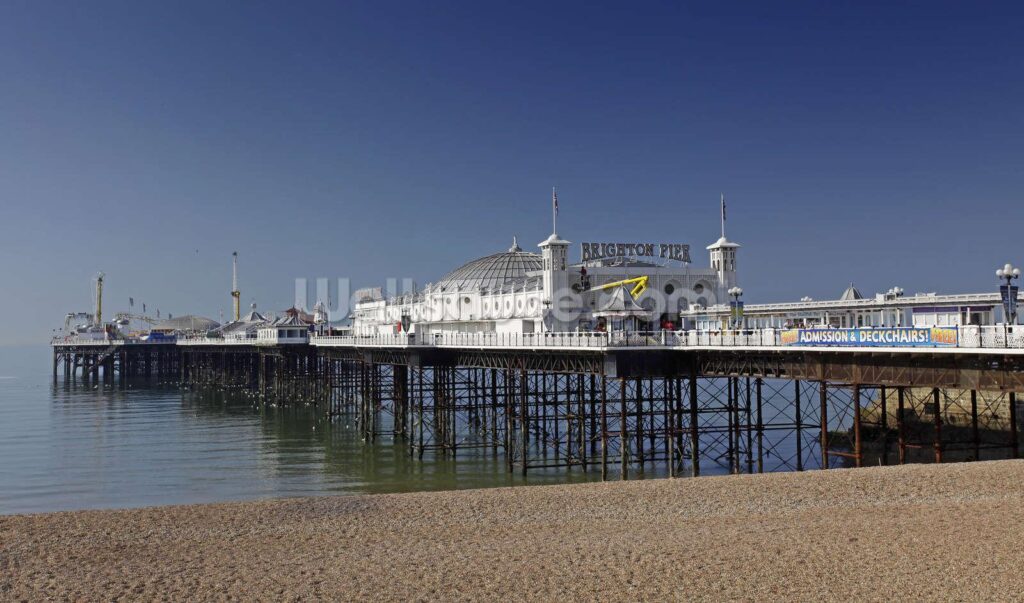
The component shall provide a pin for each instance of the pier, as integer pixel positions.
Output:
(626, 363)
(620, 404)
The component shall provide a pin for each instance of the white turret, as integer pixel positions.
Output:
(555, 279)
(555, 254)
(320, 313)
(723, 260)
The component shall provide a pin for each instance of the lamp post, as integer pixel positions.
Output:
(1009, 291)
(735, 293)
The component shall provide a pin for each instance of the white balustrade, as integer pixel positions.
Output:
(73, 340)
(203, 340)
(968, 337)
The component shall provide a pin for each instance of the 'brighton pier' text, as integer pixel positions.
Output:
(672, 251)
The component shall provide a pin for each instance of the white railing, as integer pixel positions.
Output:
(998, 337)
(960, 299)
(969, 337)
(202, 340)
(491, 339)
(518, 340)
(389, 340)
(758, 337)
(72, 340)
(546, 340)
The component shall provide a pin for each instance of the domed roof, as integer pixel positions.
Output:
(851, 294)
(253, 315)
(492, 270)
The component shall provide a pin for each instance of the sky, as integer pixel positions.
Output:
(874, 143)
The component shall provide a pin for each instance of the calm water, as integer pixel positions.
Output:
(70, 447)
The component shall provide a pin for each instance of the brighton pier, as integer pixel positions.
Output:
(492, 359)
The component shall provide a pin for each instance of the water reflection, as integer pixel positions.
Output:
(74, 446)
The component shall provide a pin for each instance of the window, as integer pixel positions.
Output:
(669, 289)
(698, 289)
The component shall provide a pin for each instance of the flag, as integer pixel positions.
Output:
(131, 302)
(723, 207)
(554, 211)
(143, 307)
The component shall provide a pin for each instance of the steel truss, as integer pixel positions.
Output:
(624, 413)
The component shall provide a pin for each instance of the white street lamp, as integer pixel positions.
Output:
(1008, 292)
(735, 293)
(1008, 272)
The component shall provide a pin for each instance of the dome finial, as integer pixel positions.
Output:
(515, 245)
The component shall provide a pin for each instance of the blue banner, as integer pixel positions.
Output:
(888, 337)
(1008, 293)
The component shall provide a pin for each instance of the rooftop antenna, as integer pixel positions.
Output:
(235, 293)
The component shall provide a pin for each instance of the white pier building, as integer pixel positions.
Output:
(633, 286)
(852, 310)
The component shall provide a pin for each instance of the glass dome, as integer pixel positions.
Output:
(492, 270)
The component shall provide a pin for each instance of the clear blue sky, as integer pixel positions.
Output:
(855, 141)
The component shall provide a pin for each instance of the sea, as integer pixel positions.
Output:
(69, 446)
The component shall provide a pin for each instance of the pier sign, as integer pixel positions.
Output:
(599, 251)
(889, 337)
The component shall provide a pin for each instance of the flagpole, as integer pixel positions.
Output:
(723, 215)
(554, 211)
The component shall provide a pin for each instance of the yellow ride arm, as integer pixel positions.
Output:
(639, 285)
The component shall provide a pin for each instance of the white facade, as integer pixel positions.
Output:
(880, 310)
(274, 335)
(521, 292)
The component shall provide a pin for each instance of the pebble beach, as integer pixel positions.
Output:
(921, 532)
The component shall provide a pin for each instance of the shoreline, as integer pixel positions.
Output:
(935, 532)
